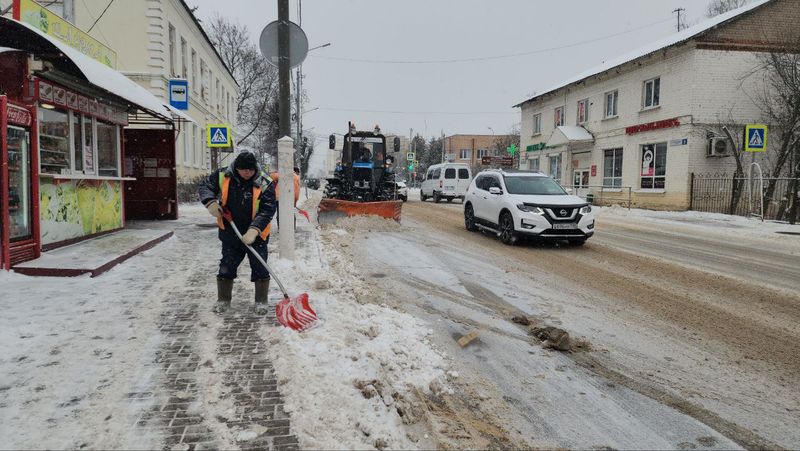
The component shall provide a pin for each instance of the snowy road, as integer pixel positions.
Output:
(693, 330)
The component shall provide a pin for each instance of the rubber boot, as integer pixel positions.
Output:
(224, 294)
(262, 296)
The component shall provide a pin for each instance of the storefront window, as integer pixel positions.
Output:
(19, 198)
(77, 140)
(88, 146)
(654, 166)
(53, 140)
(107, 155)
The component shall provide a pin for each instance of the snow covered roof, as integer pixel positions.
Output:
(655, 46)
(566, 134)
(93, 71)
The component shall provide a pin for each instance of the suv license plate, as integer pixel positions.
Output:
(568, 226)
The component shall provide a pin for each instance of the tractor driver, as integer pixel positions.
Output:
(366, 156)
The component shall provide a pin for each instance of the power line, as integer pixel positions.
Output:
(466, 113)
(486, 58)
(101, 16)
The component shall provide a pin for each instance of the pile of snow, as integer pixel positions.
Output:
(354, 381)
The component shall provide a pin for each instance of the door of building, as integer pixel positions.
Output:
(580, 178)
(150, 158)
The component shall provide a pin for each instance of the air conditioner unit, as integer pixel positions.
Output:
(718, 146)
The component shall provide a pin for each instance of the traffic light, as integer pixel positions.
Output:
(332, 142)
(397, 144)
(411, 167)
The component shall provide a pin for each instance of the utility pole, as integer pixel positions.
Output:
(679, 10)
(298, 94)
(283, 68)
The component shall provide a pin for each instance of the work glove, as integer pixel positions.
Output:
(214, 209)
(250, 236)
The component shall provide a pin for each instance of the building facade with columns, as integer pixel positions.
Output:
(159, 40)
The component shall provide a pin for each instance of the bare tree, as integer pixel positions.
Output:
(780, 103)
(717, 7)
(257, 79)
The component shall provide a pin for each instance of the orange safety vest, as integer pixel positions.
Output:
(276, 178)
(224, 183)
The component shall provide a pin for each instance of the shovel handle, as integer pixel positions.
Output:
(226, 214)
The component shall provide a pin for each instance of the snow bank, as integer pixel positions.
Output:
(715, 223)
(352, 382)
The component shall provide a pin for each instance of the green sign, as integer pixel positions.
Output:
(512, 149)
(535, 147)
(755, 138)
(411, 167)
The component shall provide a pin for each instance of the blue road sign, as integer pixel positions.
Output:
(219, 136)
(755, 138)
(179, 93)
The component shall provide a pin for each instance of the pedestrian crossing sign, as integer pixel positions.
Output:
(755, 138)
(219, 135)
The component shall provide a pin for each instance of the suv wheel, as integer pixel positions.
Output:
(507, 234)
(421, 196)
(436, 197)
(469, 218)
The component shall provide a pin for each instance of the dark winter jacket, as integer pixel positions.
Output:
(240, 198)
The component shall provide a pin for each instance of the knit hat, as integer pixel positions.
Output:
(246, 160)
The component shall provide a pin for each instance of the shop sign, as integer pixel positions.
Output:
(497, 161)
(54, 25)
(18, 116)
(666, 123)
(535, 147)
(755, 138)
(219, 135)
(179, 93)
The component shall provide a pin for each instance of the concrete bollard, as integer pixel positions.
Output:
(286, 198)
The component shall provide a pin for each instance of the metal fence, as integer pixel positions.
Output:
(602, 195)
(715, 194)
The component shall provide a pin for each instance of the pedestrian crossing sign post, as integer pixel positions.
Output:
(219, 135)
(755, 138)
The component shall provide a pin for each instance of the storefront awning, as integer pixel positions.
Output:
(179, 116)
(569, 134)
(19, 35)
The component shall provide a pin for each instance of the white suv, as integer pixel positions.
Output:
(515, 204)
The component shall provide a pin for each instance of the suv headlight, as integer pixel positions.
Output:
(530, 209)
(586, 209)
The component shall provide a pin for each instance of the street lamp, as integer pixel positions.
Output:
(327, 44)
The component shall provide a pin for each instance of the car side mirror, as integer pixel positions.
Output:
(569, 190)
(495, 190)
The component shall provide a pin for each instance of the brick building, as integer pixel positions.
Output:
(470, 149)
(646, 120)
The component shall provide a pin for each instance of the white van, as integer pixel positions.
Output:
(446, 181)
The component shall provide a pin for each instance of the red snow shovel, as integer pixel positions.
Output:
(294, 313)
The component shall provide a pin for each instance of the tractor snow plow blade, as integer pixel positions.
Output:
(330, 210)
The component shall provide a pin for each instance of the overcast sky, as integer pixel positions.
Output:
(402, 80)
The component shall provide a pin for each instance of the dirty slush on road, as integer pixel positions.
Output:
(726, 353)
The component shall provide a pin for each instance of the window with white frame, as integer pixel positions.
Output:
(217, 92)
(107, 149)
(184, 60)
(203, 80)
(652, 92)
(193, 80)
(611, 103)
(464, 154)
(537, 124)
(583, 111)
(185, 143)
(612, 168)
(483, 153)
(555, 167)
(171, 51)
(654, 166)
(558, 117)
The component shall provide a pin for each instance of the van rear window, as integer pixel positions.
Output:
(463, 174)
(450, 173)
